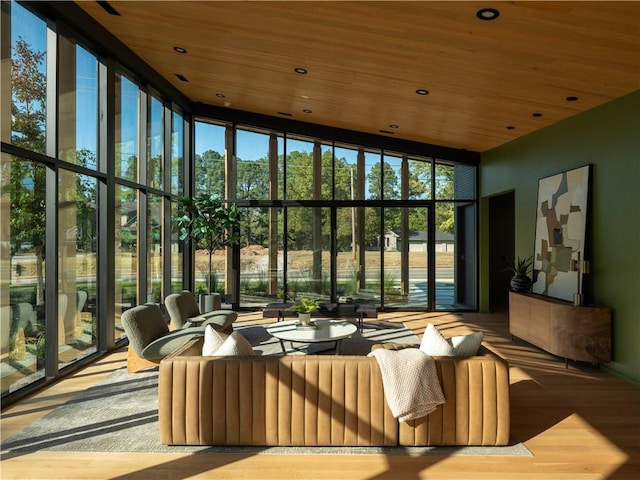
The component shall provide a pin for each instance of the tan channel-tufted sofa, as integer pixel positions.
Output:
(323, 400)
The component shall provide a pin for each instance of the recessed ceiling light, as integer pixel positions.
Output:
(536, 114)
(220, 95)
(179, 50)
(422, 91)
(181, 77)
(300, 70)
(487, 14)
(510, 127)
(393, 125)
(306, 97)
(306, 110)
(571, 99)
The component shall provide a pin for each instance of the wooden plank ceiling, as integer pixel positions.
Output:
(489, 82)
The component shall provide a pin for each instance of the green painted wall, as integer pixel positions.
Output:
(609, 138)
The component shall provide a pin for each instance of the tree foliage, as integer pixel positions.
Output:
(210, 173)
(445, 191)
(28, 97)
(253, 179)
(420, 180)
(27, 179)
(378, 190)
(86, 202)
(335, 182)
(252, 184)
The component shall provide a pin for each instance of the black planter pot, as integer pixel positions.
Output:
(521, 283)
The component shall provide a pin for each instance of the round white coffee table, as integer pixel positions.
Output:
(322, 330)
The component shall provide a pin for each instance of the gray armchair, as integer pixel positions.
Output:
(184, 313)
(149, 337)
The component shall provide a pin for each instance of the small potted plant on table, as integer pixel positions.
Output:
(304, 307)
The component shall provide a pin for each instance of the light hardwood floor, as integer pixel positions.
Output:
(580, 422)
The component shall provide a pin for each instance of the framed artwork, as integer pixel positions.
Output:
(561, 222)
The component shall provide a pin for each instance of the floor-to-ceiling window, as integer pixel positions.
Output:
(259, 177)
(209, 179)
(456, 213)
(177, 188)
(127, 128)
(92, 169)
(77, 266)
(24, 195)
(308, 228)
(78, 125)
(327, 219)
(154, 203)
(23, 340)
(349, 244)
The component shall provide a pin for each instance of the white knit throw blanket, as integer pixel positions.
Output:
(410, 382)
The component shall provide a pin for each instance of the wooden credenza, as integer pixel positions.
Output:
(580, 333)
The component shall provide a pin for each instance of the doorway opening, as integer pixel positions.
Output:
(501, 247)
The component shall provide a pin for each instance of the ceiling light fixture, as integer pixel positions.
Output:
(510, 127)
(220, 95)
(536, 114)
(571, 99)
(487, 14)
(422, 91)
(306, 110)
(179, 50)
(300, 70)
(393, 125)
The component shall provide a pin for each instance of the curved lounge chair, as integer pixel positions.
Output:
(184, 313)
(149, 337)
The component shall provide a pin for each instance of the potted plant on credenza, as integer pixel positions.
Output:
(210, 224)
(520, 267)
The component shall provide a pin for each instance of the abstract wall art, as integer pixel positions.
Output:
(561, 222)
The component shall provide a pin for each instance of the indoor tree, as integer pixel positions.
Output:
(209, 223)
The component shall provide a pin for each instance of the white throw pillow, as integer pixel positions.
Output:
(467, 345)
(213, 340)
(434, 344)
(235, 344)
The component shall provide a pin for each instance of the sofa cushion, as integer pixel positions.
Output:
(467, 345)
(220, 344)
(235, 344)
(435, 344)
(213, 340)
